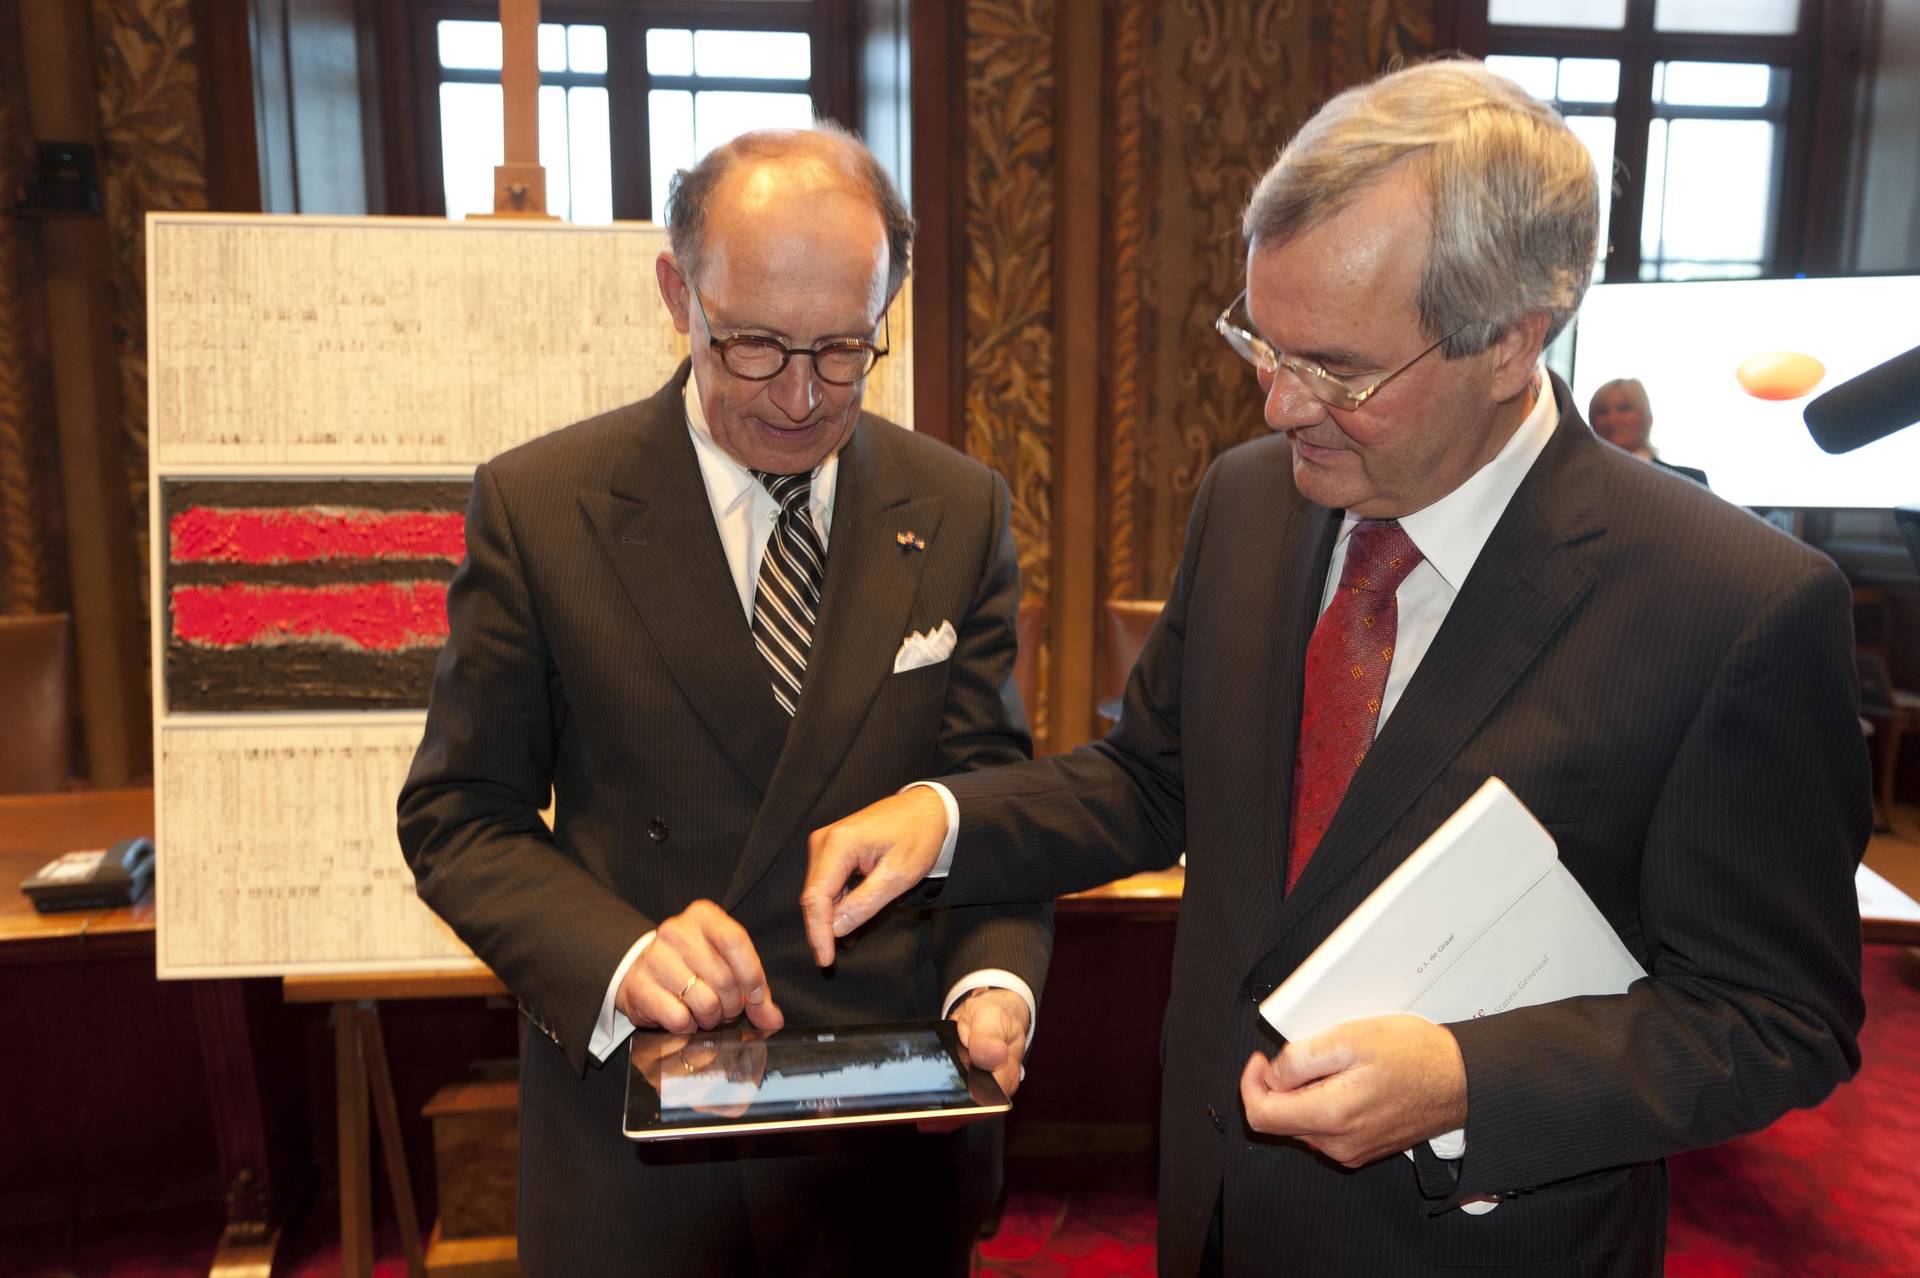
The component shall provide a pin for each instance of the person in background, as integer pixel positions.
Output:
(1620, 414)
(702, 621)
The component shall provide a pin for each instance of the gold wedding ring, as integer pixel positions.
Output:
(688, 987)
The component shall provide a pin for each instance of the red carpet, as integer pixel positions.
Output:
(1070, 1236)
(1833, 1192)
(1826, 1193)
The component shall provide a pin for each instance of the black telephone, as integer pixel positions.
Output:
(93, 880)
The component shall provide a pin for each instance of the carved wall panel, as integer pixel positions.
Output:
(1009, 232)
(153, 156)
(32, 560)
(1202, 95)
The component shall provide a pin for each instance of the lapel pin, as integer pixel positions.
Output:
(907, 541)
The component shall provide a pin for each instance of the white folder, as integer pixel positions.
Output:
(1480, 919)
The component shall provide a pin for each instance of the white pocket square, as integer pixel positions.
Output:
(919, 649)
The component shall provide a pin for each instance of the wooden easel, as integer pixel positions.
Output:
(361, 1076)
(359, 1048)
(520, 183)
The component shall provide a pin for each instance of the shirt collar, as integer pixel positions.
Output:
(728, 482)
(1451, 532)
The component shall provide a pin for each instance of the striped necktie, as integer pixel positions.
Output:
(788, 593)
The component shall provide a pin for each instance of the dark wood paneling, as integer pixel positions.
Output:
(79, 263)
(223, 37)
(1838, 144)
(32, 554)
(1079, 34)
(1007, 231)
(389, 115)
(937, 35)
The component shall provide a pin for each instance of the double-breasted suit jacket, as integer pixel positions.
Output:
(598, 647)
(1664, 680)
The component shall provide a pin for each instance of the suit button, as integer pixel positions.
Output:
(1213, 1116)
(657, 830)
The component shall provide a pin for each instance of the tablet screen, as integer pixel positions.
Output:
(736, 1078)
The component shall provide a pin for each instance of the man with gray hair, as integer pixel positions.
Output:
(1429, 574)
(707, 623)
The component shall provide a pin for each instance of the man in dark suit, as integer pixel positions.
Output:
(1432, 573)
(693, 619)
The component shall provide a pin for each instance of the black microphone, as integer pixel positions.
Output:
(1872, 406)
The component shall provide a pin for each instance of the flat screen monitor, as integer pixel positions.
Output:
(1689, 344)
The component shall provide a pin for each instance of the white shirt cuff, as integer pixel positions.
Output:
(1450, 1145)
(943, 865)
(996, 979)
(613, 1026)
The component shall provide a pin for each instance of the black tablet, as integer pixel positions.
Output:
(736, 1080)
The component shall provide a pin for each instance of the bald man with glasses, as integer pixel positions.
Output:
(708, 623)
(1431, 573)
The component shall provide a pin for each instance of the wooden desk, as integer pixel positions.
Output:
(56, 823)
(1155, 897)
(1151, 896)
(28, 936)
(36, 828)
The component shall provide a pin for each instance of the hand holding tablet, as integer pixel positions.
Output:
(993, 1025)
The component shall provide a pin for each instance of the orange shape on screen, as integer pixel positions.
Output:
(1780, 375)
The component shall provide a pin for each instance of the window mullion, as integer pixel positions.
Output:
(632, 138)
(1785, 237)
(1634, 116)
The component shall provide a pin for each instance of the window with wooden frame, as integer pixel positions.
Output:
(1698, 114)
(630, 91)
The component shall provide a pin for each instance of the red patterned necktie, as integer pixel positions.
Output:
(1347, 662)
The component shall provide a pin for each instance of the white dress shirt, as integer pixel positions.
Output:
(1449, 535)
(744, 513)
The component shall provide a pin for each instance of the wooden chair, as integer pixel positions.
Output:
(1873, 622)
(1892, 713)
(36, 703)
(1128, 622)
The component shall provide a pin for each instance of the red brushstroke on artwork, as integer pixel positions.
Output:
(381, 617)
(203, 534)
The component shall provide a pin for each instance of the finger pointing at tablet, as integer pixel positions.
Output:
(893, 843)
(701, 970)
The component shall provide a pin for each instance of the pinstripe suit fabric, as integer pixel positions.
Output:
(1666, 681)
(598, 645)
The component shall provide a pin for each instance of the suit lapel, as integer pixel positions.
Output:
(655, 526)
(866, 602)
(1524, 587)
